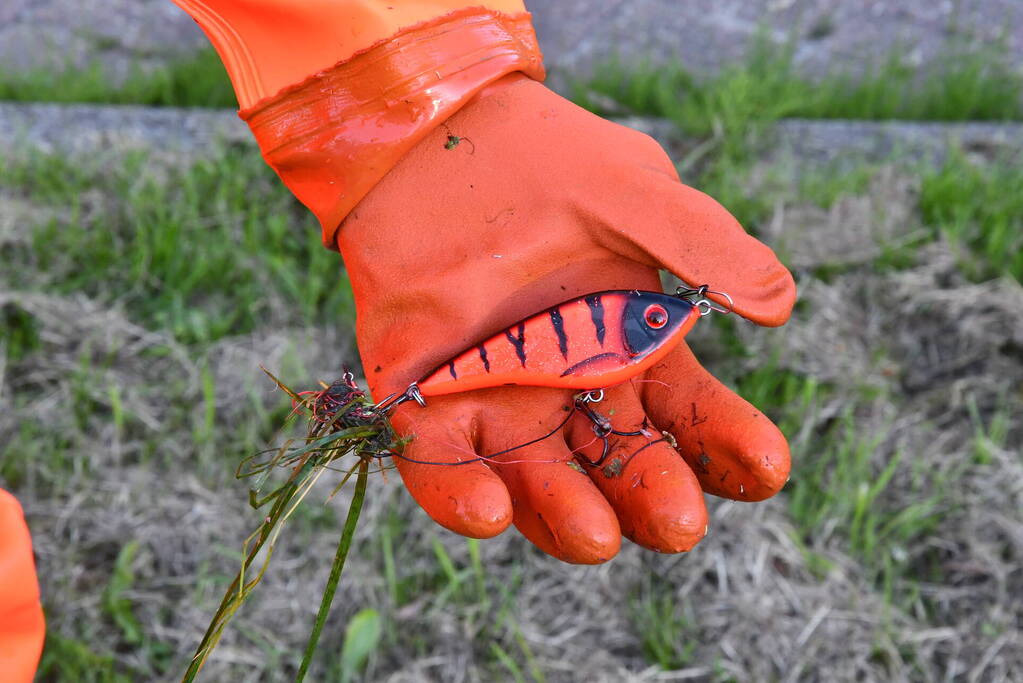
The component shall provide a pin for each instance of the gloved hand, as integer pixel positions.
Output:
(455, 225)
(538, 202)
(21, 616)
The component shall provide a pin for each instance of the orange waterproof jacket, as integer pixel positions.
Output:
(336, 91)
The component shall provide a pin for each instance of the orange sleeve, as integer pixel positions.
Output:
(21, 615)
(337, 91)
(267, 45)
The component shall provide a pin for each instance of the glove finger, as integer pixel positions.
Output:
(657, 220)
(735, 450)
(468, 499)
(555, 506)
(656, 496)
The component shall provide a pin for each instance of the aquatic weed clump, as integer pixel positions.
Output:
(343, 424)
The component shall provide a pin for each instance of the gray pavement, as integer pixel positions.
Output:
(86, 130)
(828, 34)
(120, 34)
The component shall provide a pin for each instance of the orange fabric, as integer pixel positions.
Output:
(267, 45)
(21, 616)
(332, 137)
(539, 202)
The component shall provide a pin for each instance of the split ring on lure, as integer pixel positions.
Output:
(595, 341)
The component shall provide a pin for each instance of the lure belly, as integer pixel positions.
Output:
(595, 341)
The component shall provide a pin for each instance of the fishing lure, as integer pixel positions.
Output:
(592, 342)
(589, 343)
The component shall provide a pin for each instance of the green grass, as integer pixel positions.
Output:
(444, 583)
(362, 639)
(452, 581)
(848, 491)
(38, 454)
(19, 333)
(199, 81)
(666, 629)
(991, 435)
(976, 206)
(68, 659)
(742, 98)
(734, 110)
(873, 504)
(961, 86)
(733, 113)
(979, 209)
(790, 399)
(212, 250)
(115, 603)
(827, 185)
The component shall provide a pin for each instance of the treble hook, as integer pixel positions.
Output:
(601, 426)
(591, 396)
(704, 304)
(394, 400)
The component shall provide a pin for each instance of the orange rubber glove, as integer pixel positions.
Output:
(465, 196)
(21, 616)
(539, 202)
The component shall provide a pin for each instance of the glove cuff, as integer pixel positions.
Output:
(332, 137)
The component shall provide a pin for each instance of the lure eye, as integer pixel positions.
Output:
(655, 316)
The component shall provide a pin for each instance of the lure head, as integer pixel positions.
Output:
(649, 320)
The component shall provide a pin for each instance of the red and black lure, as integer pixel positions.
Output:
(589, 343)
(593, 342)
